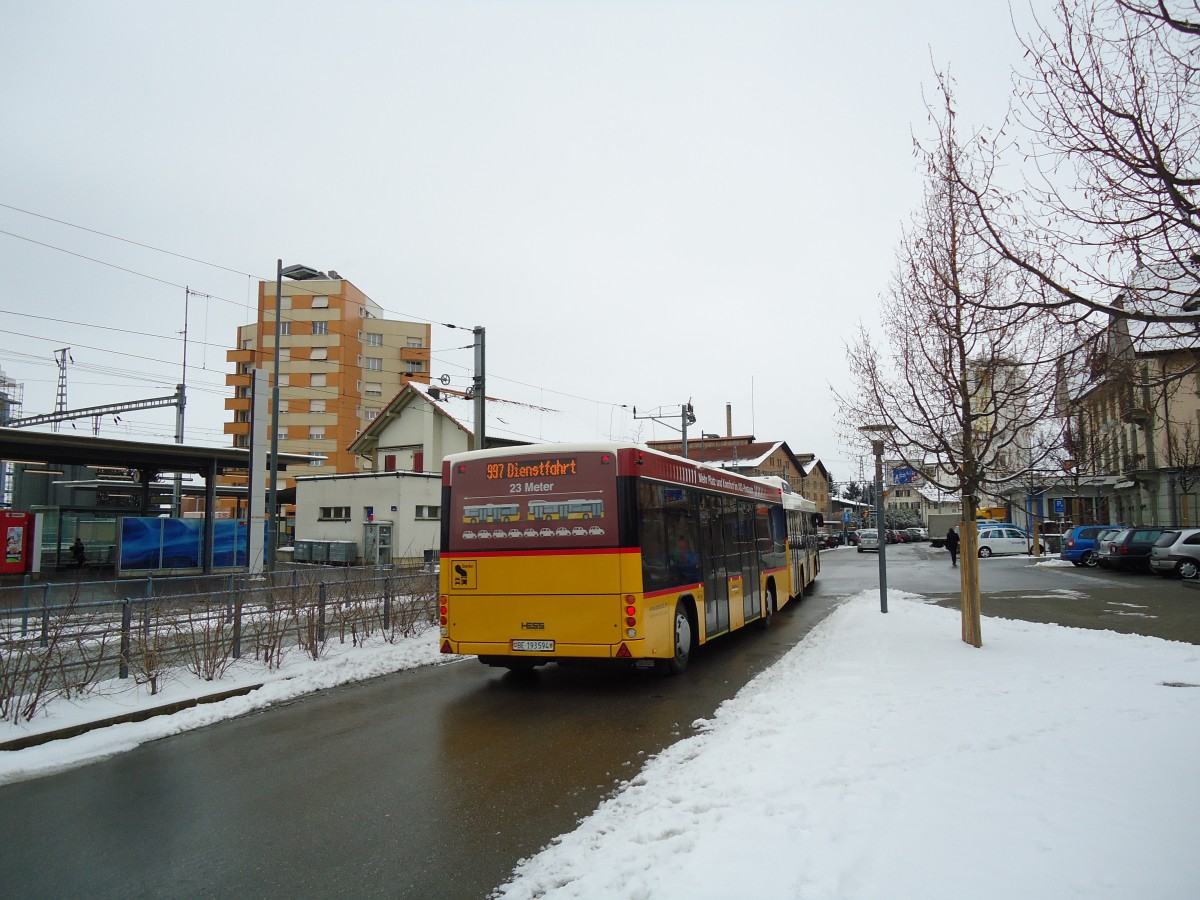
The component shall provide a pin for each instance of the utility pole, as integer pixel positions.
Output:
(177, 494)
(478, 385)
(687, 416)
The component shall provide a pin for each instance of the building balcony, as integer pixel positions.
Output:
(414, 354)
(1133, 467)
(237, 403)
(1135, 415)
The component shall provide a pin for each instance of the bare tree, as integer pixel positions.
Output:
(966, 385)
(1107, 127)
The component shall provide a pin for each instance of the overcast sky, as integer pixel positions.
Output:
(642, 202)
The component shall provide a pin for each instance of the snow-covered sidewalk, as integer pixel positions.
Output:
(300, 675)
(884, 758)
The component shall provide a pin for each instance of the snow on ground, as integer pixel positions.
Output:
(884, 758)
(880, 758)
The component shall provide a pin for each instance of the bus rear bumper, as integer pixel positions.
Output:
(633, 651)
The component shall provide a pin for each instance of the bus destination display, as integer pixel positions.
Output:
(543, 502)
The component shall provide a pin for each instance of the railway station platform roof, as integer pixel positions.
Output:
(22, 445)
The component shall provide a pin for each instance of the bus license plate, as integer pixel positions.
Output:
(535, 646)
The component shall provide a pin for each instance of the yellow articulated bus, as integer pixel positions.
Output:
(612, 552)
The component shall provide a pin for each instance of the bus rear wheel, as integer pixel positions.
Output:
(682, 636)
(769, 607)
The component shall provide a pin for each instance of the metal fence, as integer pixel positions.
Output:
(75, 636)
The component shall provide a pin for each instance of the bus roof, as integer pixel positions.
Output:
(790, 500)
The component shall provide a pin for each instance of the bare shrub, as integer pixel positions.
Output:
(204, 631)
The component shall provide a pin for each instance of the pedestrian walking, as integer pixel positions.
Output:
(952, 546)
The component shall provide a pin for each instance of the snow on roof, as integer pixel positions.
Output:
(934, 494)
(740, 455)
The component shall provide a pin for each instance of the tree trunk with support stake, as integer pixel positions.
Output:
(972, 630)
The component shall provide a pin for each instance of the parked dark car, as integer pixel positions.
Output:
(1177, 553)
(1131, 548)
(1079, 544)
(912, 535)
(852, 538)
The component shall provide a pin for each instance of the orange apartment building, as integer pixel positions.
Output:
(340, 362)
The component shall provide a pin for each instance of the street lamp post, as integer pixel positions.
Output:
(880, 522)
(273, 472)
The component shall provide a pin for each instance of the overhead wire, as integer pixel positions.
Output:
(296, 287)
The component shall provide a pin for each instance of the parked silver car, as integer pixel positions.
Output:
(868, 539)
(1177, 552)
(1106, 546)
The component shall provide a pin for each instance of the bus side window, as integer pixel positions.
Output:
(778, 522)
(653, 531)
(685, 560)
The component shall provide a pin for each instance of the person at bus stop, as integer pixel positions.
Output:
(79, 552)
(952, 545)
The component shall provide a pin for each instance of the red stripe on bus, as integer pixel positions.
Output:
(650, 595)
(463, 554)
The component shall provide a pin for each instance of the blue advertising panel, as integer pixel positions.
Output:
(164, 543)
(231, 544)
(903, 475)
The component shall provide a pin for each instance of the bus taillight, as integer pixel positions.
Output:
(443, 612)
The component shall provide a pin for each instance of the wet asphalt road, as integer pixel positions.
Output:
(428, 783)
(436, 782)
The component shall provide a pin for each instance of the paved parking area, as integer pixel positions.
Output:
(1036, 590)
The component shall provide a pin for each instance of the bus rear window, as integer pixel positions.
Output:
(528, 502)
